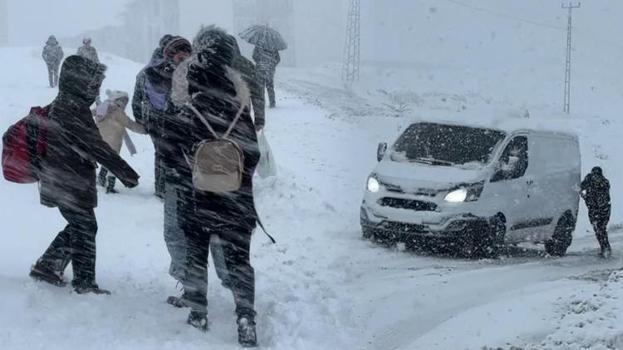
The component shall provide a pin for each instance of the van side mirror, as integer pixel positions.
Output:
(381, 150)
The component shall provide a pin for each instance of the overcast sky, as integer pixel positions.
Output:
(32, 21)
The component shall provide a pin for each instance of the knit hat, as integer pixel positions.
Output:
(176, 45)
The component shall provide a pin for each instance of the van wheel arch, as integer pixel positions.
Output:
(560, 241)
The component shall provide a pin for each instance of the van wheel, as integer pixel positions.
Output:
(366, 232)
(562, 237)
(497, 237)
(480, 242)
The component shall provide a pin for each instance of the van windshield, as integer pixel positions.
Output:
(438, 144)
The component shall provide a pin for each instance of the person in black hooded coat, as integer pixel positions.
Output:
(67, 174)
(596, 194)
(218, 94)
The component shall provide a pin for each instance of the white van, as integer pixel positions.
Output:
(479, 187)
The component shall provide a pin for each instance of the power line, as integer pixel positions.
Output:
(505, 15)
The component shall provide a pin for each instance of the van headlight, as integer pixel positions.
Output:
(373, 184)
(469, 193)
(456, 196)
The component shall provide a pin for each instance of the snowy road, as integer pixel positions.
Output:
(320, 287)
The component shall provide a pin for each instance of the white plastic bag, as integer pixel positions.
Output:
(267, 166)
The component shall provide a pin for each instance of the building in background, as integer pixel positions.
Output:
(4, 23)
(143, 24)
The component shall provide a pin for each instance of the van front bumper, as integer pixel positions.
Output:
(452, 226)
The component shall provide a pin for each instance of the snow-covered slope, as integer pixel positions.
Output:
(321, 286)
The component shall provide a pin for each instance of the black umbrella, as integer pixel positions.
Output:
(264, 37)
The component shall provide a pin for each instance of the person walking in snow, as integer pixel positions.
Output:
(218, 95)
(52, 55)
(113, 122)
(252, 78)
(87, 51)
(596, 194)
(67, 175)
(266, 62)
(151, 95)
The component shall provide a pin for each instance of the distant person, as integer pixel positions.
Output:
(53, 56)
(113, 123)
(596, 194)
(215, 204)
(266, 62)
(252, 78)
(151, 96)
(67, 176)
(88, 51)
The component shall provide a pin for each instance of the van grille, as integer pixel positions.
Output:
(410, 204)
(404, 228)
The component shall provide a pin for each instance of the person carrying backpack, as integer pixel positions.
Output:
(219, 156)
(52, 55)
(596, 194)
(113, 123)
(67, 175)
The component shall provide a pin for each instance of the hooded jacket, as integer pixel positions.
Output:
(88, 52)
(67, 177)
(218, 93)
(52, 52)
(112, 121)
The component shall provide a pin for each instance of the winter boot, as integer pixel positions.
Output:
(605, 253)
(44, 272)
(101, 177)
(179, 302)
(111, 185)
(247, 336)
(198, 320)
(86, 288)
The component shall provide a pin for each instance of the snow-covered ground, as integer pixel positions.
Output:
(321, 286)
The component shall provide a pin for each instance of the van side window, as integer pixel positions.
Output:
(514, 160)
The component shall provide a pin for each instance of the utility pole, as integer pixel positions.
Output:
(350, 70)
(567, 102)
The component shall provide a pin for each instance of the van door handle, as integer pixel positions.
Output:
(530, 182)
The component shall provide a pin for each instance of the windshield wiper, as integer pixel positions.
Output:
(432, 161)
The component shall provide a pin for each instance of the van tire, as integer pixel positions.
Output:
(562, 237)
(366, 232)
(497, 237)
(479, 240)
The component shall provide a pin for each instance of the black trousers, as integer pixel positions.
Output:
(235, 243)
(599, 218)
(75, 244)
(53, 74)
(159, 169)
(267, 81)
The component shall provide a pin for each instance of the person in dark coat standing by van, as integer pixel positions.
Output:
(52, 55)
(218, 93)
(596, 194)
(67, 176)
(266, 62)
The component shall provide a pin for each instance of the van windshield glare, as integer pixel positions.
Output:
(439, 144)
